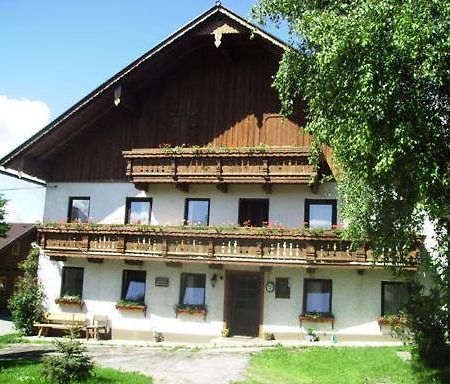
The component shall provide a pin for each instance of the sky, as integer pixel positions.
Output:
(53, 53)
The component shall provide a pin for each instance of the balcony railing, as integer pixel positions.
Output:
(213, 245)
(211, 165)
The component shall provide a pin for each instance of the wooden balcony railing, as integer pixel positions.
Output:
(259, 165)
(213, 245)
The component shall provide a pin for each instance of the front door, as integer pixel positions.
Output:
(244, 303)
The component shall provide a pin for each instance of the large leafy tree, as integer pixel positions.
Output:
(375, 75)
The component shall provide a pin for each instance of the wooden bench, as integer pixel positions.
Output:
(61, 321)
(100, 324)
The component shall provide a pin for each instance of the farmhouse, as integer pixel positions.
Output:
(180, 201)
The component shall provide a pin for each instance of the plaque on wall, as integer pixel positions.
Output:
(161, 282)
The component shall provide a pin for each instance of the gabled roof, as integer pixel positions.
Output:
(66, 125)
(15, 232)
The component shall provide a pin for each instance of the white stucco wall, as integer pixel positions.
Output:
(107, 205)
(356, 298)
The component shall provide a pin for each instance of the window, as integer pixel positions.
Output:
(133, 286)
(394, 296)
(72, 281)
(138, 210)
(320, 213)
(282, 288)
(317, 296)
(192, 290)
(16, 249)
(79, 209)
(196, 212)
(253, 212)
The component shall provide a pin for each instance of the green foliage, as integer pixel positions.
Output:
(29, 372)
(3, 226)
(375, 75)
(26, 301)
(69, 365)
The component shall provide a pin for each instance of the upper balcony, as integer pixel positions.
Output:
(220, 166)
(214, 245)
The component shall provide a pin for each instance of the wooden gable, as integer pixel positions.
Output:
(211, 86)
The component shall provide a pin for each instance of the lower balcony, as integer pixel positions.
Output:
(219, 245)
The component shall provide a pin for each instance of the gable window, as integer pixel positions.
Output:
(72, 281)
(320, 213)
(79, 209)
(192, 290)
(133, 286)
(282, 288)
(196, 212)
(253, 212)
(317, 296)
(394, 296)
(138, 210)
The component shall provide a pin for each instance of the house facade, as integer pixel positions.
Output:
(180, 201)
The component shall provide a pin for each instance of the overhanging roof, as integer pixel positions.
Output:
(95, 103)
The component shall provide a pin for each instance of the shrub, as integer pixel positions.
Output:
(69, 365)
(26, 301)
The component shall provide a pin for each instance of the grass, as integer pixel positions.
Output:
(12, 338)
(29, 372)
(338, 366)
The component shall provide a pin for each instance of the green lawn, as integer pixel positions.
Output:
(29, 372)
(338, 365)
(12, 338)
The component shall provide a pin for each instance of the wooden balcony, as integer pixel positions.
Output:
(220, 166)
(260, 246)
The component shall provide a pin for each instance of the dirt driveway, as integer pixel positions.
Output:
(167, 365)
(176, 365)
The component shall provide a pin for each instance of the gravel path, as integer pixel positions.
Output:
(165, 365)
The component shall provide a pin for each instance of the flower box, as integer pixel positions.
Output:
(131, 307)
(191, 310)
(391, 320)
(69, 301)
(317, 318)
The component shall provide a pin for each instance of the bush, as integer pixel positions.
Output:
(26, 301)
(427, 321)
(69, 365)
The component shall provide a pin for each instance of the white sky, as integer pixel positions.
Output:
(20, 119)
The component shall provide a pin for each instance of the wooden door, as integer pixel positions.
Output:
(244, 303)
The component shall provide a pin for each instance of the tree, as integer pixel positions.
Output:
(26, 302)
(375, 75)
(3, 226)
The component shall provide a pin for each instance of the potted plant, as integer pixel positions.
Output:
(269, 336)
(311, 335)
(131, 305)
(158, 337)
